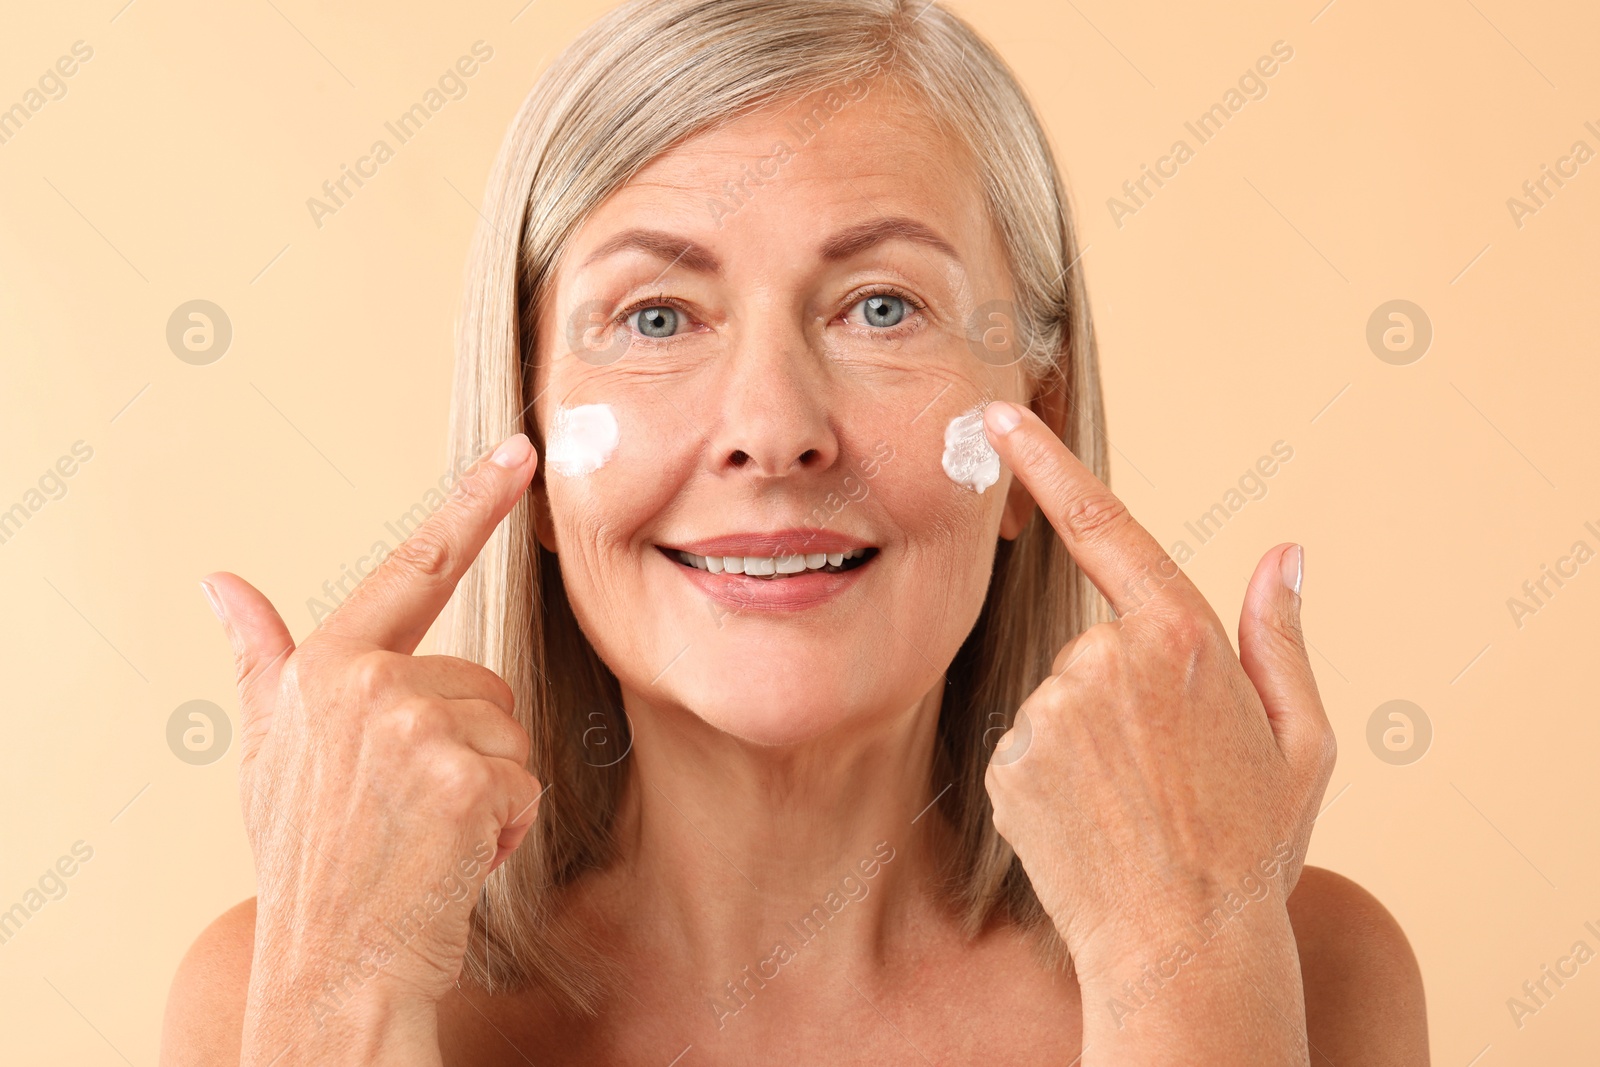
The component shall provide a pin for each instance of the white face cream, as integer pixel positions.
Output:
(968, 459)
(581, 439)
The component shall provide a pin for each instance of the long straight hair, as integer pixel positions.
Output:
(644, 78)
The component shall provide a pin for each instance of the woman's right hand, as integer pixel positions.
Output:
(379, 790)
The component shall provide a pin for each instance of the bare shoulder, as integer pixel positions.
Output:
(205, 1007)
(1364, 1000)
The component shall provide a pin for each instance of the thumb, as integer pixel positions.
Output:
(261, 645)
(1272, 648)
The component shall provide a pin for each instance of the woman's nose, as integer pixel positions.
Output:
(775, 416)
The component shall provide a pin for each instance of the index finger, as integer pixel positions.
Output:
(1118, 555)
(397, 602)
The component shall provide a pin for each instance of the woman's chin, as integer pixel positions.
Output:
(775, 716)
(777, 727)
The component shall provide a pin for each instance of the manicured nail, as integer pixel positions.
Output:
(513, 453)
(212, 598)
(1001, 417)
(1293, 566)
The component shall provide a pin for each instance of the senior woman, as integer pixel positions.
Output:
(810, 696)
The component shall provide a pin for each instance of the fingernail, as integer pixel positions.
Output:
(513, 453)
(1293, 566)
(212, 599)
(1001, 417)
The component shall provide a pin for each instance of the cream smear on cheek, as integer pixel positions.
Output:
(968, 459)
(581, 439)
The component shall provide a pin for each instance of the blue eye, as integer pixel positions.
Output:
(657, 321)
(883, 310)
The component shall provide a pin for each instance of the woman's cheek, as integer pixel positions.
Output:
(931, 488)
(968, 459)
(582, 439)
(618, 451)
(604, 568)
(945, 535)
(611, 467)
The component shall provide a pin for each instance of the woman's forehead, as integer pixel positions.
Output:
(875, 117)
(810, 164)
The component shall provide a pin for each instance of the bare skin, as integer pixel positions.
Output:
(1159, 770)
(1363, 996)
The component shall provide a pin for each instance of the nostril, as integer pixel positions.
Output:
(739, 458)
(807, 456)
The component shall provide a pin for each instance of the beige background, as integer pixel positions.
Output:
(1232, 308)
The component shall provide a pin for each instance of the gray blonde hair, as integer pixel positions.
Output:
(642, 79)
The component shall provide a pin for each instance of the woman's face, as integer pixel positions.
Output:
(776, 316)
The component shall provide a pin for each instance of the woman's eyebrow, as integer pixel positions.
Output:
(846, 243)
(662, 245)
(858, 238)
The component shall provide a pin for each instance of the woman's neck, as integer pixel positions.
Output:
(734, 856)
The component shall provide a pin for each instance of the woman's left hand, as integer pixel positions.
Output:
(1155, 777)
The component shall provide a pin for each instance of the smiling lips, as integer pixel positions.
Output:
(784, 571)
(776, 566)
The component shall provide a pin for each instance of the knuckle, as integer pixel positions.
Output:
(1095, 516)
(375, 672)
(521, 743)
(461, 780)
(478, 680)
(290, 679)
(1101, 661)
(524, 745)
(425, 552)
(1001, 826)
(504, 695)
(1099, 648)
(999, 810)
(1187, 631)
(1327, 750)
(1189, 642)
(416, 721)
(1081, 653)
(1314, 750)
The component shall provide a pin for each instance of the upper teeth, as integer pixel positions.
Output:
(769, 566)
